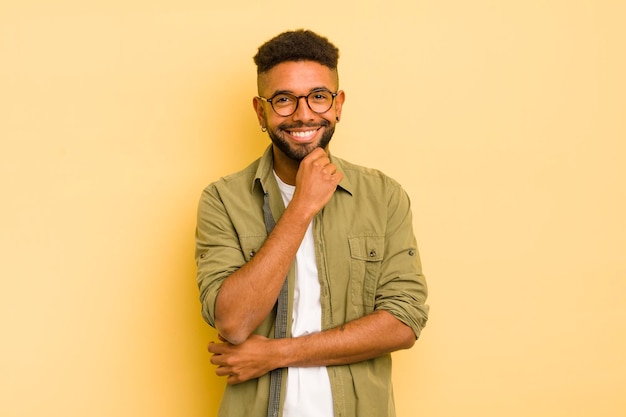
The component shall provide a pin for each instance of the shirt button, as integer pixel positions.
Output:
(372, 253)
(411, 252)
(252, 253)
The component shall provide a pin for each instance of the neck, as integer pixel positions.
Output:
(285, 167)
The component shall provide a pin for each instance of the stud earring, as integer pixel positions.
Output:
(263, 129)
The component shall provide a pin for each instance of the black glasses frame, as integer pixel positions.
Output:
(306, 99)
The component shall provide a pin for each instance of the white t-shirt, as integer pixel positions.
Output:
(308, 391)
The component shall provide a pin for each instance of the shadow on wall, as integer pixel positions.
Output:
(228, 107)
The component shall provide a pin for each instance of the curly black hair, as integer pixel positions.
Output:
(298, 45)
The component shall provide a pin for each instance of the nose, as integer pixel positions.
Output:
(303, 112)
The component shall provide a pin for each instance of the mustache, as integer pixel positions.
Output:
(289, 126)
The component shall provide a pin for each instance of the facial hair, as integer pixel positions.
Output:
(297, 153)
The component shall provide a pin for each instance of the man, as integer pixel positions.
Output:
(342, 252)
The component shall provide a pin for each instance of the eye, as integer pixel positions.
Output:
(320, 96)
(283, 100)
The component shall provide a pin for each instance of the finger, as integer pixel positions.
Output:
(217, 347)
(321, 165)
(222, 371)
(316, 153)
(315, 156)
(330, 169)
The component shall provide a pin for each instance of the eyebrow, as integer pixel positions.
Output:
(292, 93)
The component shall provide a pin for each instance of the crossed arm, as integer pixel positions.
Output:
(368, 337)
(248, 295)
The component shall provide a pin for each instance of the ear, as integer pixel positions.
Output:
(257, 103)
(341, 97)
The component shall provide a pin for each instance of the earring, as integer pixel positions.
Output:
(337, 118)
(263, 129)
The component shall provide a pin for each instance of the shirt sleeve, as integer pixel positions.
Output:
(402, 289)
(218, 252)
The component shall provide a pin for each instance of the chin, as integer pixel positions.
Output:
(299, 152)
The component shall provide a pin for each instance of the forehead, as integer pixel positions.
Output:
(297, 77)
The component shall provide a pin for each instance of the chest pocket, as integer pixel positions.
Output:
(250, 245)
(366, 256)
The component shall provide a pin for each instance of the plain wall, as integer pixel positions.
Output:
(504, 121)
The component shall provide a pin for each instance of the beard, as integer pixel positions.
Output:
(298, 152)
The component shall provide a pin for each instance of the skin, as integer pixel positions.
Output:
(298, 78)
(249, 294)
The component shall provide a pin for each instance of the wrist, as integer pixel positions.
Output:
(281, 349)
(300, 212)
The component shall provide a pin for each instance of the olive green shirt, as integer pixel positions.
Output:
(367, 260)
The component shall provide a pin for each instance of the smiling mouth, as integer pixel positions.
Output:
(302, 134)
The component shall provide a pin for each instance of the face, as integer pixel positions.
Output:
(297, 135)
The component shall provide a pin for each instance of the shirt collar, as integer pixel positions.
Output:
(264, 172)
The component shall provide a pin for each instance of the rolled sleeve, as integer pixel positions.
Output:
(218, 252)
(402, 289)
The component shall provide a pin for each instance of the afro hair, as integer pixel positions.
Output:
(298, 45)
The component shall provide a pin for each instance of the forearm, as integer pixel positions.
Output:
(249, 294)
(369, 337)
(366, 338)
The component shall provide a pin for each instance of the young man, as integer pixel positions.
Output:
(307, 264)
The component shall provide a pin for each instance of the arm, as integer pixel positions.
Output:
(398, 317)
(248, 295)
(366, 338)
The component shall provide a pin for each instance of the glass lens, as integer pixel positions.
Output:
(284, 104)
(320, 101)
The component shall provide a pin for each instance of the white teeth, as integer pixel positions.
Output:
(303, 134)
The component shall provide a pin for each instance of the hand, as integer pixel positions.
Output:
(239, 363)
(316, 181)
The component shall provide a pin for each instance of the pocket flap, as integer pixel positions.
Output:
(367, 248)
(250, 245)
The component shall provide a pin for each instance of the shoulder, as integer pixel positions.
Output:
(235, 181)
(366, 178)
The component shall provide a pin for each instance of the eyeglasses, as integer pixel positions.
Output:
(285, 104)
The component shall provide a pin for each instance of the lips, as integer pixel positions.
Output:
(302, 134)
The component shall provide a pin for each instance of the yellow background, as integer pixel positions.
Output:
(504, 120)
